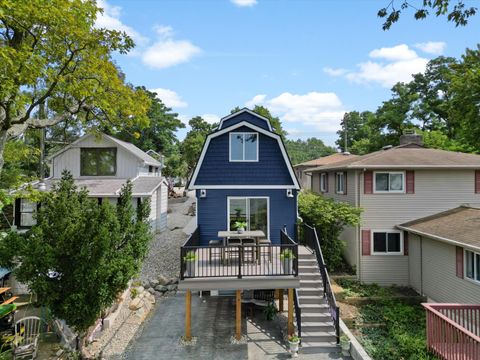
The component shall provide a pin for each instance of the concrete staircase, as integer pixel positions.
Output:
(318, 329)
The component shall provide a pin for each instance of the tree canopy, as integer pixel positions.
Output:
(81, 254)
(455, 10)
(52, 53)
(440, 103)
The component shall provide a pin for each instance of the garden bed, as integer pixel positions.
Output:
(389, 322)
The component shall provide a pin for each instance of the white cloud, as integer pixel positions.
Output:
(394, 53)
(166, 51)
(388, 66)
(321, 110)
(432, 47)
(170, 98)
(244, 3)
(335, 72)
(211, 118)
(110, 19)
(256, 100)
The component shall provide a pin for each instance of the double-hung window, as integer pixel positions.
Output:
(243, 146)
(98, 161)
(389, 182)
(472, 265)
(340, 183)
(387, 243)
(323, 182)
(27, 212)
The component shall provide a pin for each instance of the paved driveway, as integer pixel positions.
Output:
(213, 323)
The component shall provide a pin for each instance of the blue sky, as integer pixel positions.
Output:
(308, 61)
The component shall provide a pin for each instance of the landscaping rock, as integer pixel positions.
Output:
(151, 291)
(153, 283)
(172, 287)
(161, 288)
(135, 304)
(162, 280)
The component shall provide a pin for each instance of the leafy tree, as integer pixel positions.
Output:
(160, 134)
(51, 52)
(359, 126)
(456, 11)
(175, 165)
(80, 255)
(329, 217)
(191, 146)
(305, 150)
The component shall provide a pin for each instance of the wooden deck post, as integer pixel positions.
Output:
(188, 316)
(280, 300)
(290, 312)
(238, 317)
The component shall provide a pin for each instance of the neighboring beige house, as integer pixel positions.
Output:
(393, 186)
(102, 164)
(444, 255)
(305, 178)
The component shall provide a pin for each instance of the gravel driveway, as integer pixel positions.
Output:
(163, 255)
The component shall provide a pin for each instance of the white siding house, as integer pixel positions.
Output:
(394, 186)
(102, 164)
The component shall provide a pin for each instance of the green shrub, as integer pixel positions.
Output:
(329, 217)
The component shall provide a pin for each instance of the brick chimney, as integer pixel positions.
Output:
(411, 137)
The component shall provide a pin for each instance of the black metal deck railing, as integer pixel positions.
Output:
(310, 239)
(247, 260)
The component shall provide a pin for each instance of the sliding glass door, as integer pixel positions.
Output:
(251, 210)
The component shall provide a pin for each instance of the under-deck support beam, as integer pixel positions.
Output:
(238, 316)
(290, 312)
(188, 316)
(280, 300)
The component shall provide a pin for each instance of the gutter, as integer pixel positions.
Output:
(439, 238)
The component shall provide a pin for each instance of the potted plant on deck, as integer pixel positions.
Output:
(293, 342)
(189, 259)
(240, 226)
(287, 257)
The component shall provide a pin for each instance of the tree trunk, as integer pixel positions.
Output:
(3, 142)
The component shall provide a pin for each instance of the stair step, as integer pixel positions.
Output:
(318, 336)
(307, 257)
(318, 326)
(315, 317)
(308, 283)
(315, 347)
(314, 306)
(310, 299)
(307, 261)
(306, 268)
(310, 276)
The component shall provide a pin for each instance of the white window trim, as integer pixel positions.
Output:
(344, 174)
(475, 270)
(250, 197)
(387, 253)
(323, 187)
(375, 191)
(33, 212)
(230, 146)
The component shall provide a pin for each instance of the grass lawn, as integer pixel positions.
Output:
(388, 328)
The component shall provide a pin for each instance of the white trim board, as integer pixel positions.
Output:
(220, 126)
(240, 187)
(192, 185)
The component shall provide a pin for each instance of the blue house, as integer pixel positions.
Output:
(244, 174)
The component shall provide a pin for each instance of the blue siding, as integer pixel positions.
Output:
(245, 116)
(216, 169)
(212, 212)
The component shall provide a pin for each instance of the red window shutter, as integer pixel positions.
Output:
(366, 242)
(345, 183)
(459, 266)
(368, 182)
(477, 181)
(405, 243)
(410, 181)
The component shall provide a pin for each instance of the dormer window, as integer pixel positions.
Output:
(243, 146)
(98, 161)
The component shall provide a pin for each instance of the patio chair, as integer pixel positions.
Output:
(215, 250)
(232, 249)
(268, 248)
(27, 332)
(249, 249)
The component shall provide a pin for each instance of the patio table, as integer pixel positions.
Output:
(255, 234)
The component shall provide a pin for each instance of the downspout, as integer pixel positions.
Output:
(421, 265)
(359, 235)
